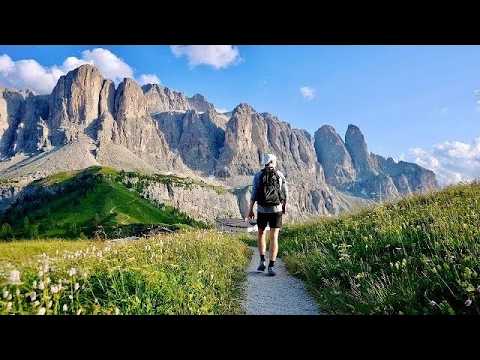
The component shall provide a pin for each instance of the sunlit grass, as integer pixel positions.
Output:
(417, 256)
(194, 272)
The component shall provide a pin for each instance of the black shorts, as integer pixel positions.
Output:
(274, 220)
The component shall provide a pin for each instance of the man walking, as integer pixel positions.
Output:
(270, 192)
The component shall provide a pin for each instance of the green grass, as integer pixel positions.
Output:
(190, 272)
(84, 203)
(420, 255)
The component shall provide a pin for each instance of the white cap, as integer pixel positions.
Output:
(267, 158)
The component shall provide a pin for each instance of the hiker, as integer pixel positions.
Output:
(270, 193)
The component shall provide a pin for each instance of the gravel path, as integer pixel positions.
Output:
(282, 294)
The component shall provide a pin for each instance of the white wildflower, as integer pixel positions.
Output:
(42, 311)
(70, 297)
(65, 307)
(41, 285)
(32, 296)
(77, 286)
(468, 302)
(5, 293)
(14, 277)
(36, 303)
(72, 272)
(54, 289)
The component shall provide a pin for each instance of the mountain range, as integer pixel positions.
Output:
(88, 121)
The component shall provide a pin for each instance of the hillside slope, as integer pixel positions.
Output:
(85, 203)
(420, 255)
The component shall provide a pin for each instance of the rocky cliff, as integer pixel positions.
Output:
(87, 121)
(350, 167)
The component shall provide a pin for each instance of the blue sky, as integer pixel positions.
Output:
(415, 102)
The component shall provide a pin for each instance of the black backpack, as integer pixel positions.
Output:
(270, 193)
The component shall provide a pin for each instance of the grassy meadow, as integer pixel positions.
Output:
(189, 272)
(420, 255)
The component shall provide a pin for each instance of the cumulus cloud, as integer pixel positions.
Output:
(452, 161)
(307, 92)
(148, 79)
(217, 56)
(29, 74)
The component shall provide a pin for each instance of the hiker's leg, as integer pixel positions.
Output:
(261, 241)
(274, 243)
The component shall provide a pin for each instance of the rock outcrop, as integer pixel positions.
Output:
(334, 157)
(350, 167)
(161, 99)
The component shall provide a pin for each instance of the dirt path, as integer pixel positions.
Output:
(282, 294)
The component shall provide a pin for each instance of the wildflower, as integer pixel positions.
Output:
(9, 297)
(468, 302)
(41, 285)
(70, 297)
(32, 296)
(77, 286)
(65, 307)
(54, 289)
(72, 272)
(14, 277)
(42, 311)
(9, 306)
(5, 293)
(36, 303)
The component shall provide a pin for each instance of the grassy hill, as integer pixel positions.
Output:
(84, 204)
(420, 255)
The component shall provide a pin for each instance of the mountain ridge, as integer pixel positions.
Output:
(153, 129)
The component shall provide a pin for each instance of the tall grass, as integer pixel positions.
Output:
(420, 255)
(191, 272)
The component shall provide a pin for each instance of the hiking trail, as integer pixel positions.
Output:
(282, 294)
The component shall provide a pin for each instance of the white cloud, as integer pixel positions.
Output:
(218, 56)
(148, 79)
(452, 161)
(307, 92)
(109, 64)
(29, 74)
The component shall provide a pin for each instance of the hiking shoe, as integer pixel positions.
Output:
(261, 267)
(271, 272)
